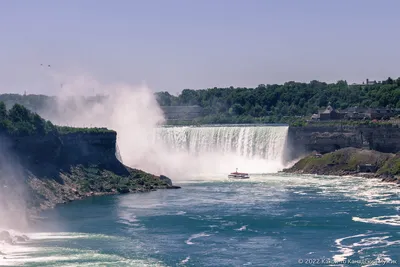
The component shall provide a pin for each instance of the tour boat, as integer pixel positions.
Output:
(238, 175)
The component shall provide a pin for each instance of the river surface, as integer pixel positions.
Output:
(268, 220)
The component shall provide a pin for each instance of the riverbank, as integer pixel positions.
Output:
(82, 181)
(350, 162)
(78, 182)
(43, 165)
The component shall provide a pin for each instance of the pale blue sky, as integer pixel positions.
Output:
(172, 44)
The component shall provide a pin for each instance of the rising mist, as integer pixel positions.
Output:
(13, 189)
(135, 114)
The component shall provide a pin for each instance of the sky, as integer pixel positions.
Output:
(176, 44)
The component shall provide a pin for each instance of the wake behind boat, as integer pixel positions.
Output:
(238, 175)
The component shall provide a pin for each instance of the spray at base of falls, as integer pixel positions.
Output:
(222, 149)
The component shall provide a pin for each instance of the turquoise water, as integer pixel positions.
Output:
(269, 220)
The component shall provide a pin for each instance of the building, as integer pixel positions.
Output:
(366, 82)
(355, 113)
(370, 82)
(381, 113)
(328, 114)
(367, 168)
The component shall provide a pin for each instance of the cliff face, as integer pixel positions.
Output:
(324, 139)
(64, 149)
(97, 148)
(59, 168)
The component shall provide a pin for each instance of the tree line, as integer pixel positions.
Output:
(272, 103)
(20, 121)
(280, 103)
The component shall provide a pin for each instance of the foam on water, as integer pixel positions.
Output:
(50, 255)
(372, 191)
(363, 243)
(389, 220)
(186, 260)
(195, 236)
(234, 196)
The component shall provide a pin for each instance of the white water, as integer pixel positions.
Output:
(370, 191)
(222, 149)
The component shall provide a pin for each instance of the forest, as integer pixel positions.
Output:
(283, 103)
(271, 103)
(19, 121)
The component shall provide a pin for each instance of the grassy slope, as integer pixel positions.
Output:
(392, 166)
(82, 181)
(345, 162)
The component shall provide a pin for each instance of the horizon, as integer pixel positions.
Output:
(177, 93)
(174, 45)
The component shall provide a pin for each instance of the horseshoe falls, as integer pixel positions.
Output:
(222, 149)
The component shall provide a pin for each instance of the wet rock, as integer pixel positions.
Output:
(173, 187)
(389, 178)
(19, 238)
(123, 190)
(166, 180)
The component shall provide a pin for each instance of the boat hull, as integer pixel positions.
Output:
(235, 176)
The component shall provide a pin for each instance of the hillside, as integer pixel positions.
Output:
(42, 165)
(350, 161)
(272, 103)
(283, 102)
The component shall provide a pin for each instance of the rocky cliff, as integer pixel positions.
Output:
(71, 148)
(328, 138)
(351, 161)
(38, 172)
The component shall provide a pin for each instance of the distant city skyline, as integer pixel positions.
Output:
(173, 45)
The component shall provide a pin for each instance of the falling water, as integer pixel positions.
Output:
(252, 146)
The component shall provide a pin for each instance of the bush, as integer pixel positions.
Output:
(19, 121)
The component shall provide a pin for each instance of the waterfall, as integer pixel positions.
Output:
(117, 153)
(249, 148)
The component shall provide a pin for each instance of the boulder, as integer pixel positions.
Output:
(123, 190)
(166, 179)
(173, 187)
(19, 238)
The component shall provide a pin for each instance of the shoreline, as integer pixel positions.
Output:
(351, 162)
(33, 212)
(10, 236)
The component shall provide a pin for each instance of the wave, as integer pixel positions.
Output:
(359, 244)
(195, 236)
(388, 220)
(41, 249)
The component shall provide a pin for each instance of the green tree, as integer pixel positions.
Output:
(3, 112)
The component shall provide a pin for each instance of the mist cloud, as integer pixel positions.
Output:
(13, 189)
(134, 113)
